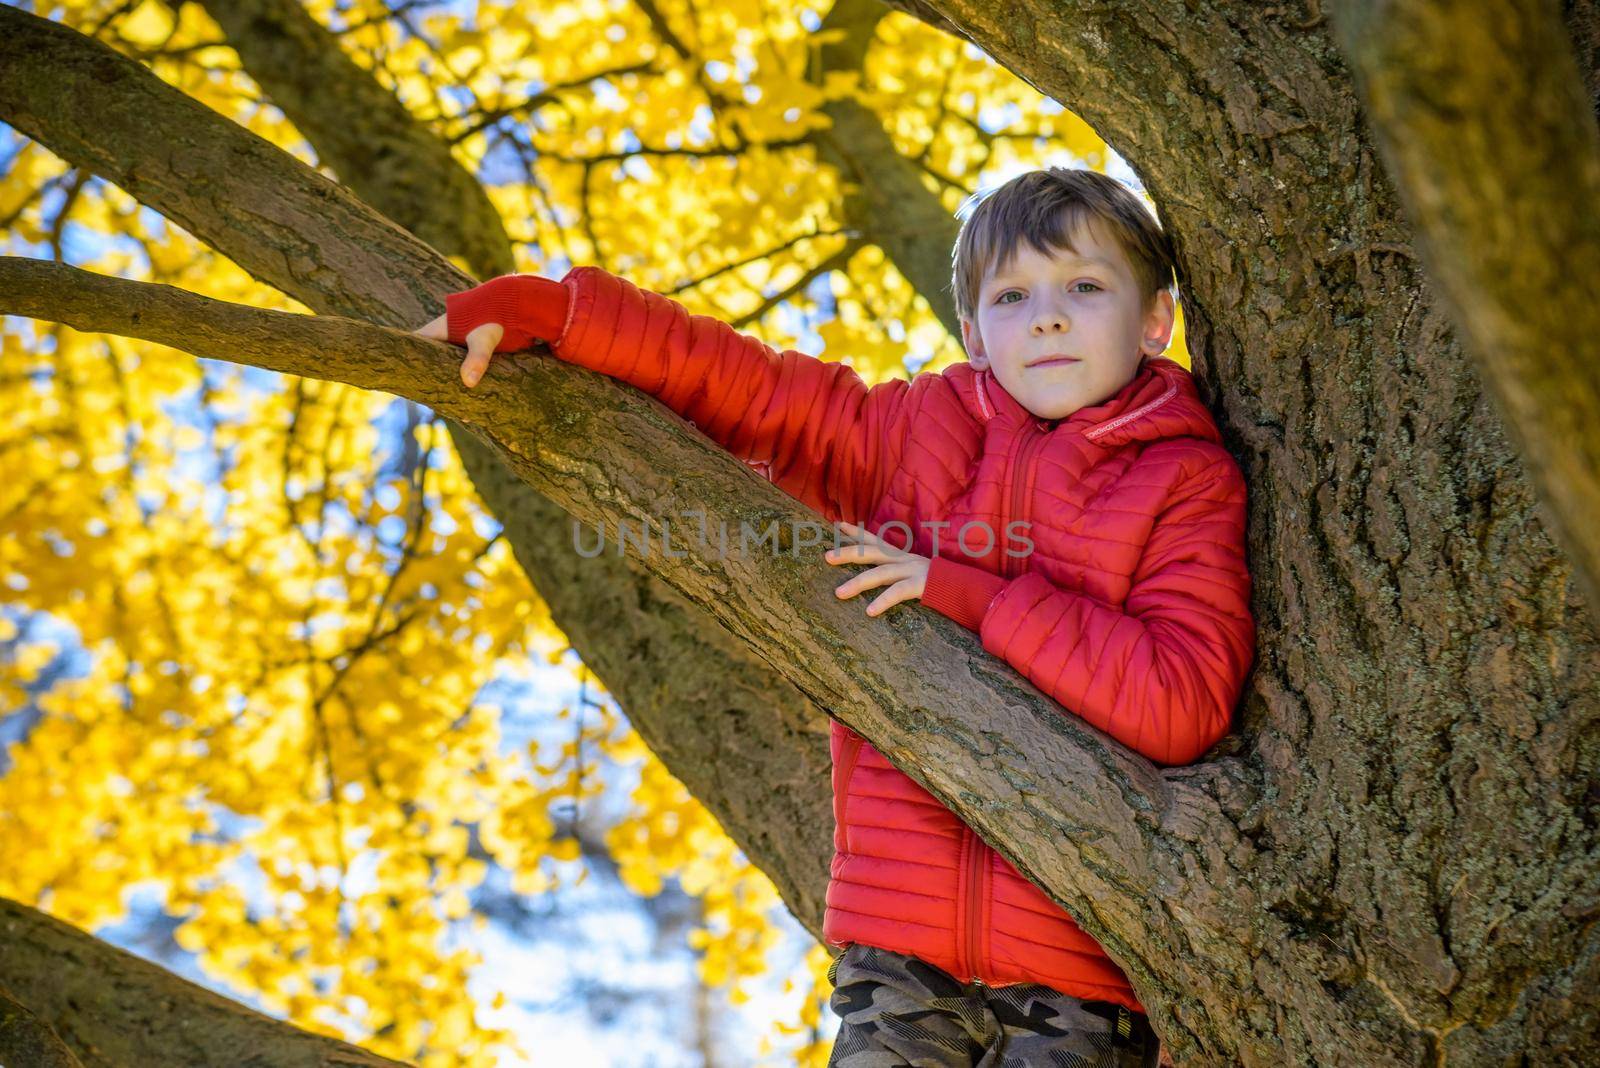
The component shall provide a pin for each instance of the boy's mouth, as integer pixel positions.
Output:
(1052, 360)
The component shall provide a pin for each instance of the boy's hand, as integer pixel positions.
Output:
(906, 570)
(481, 341)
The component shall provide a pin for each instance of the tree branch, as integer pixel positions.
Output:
(109, 1008)
(359, 128)
(887, 201)
(279, 219)
(27, 1040)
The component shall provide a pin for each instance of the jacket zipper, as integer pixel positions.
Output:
(848, 757)
(847, 765)
(974, 903)
(978, 849)
(1019, 490)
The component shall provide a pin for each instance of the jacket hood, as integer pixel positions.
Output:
(1160, 402)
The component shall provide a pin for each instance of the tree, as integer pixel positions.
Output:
(1335, 884)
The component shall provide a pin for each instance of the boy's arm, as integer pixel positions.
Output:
(1162, 674)
(824, 436)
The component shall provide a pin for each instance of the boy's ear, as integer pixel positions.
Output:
(1159, 322)
(974, 345)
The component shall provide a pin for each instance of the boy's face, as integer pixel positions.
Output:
(1087, 307)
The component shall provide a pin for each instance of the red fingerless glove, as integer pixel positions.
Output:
(960, 591)
(528, 307)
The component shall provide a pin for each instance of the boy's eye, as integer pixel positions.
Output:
(1001, 299)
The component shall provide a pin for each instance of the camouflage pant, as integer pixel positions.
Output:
(898, 1010)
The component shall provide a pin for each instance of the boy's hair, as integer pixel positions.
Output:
(1045, 207)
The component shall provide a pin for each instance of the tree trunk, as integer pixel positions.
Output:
(1393, 861)
(1489, 131)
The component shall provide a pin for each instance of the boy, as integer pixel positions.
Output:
(1067, 497)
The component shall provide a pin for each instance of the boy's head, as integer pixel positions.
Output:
(1063, 262)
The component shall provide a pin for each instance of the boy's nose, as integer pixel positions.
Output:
(1047, 323)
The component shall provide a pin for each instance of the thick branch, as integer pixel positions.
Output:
(110, 1009)
(26, 1039)
(1487, 128)
(887, 201)
(362, 131)
(282, 221)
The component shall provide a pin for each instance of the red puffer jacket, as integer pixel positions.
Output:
(1132, 609)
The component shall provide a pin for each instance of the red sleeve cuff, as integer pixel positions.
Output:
(528, 306)
(961, 591)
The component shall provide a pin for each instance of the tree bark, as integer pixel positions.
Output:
(1395, 859)
(25, 1039)
(106, 1008)
(1483, 119)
